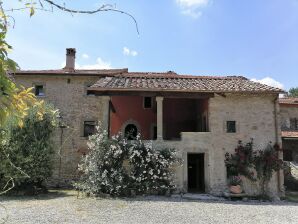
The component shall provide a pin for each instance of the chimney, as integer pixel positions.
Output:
(70, 58)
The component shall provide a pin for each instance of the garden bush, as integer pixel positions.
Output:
(244, 161)
(117, 166)
(26, 152)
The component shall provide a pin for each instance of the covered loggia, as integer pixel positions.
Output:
(184, 115)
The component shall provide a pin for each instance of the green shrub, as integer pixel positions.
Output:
(26, 152)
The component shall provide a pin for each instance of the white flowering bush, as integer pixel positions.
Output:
(103, 169)
(151, 168)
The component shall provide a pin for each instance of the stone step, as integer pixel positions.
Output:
(205, 197)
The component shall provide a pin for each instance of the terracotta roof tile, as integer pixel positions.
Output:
(121, 79)
(173, 82)
(289, 134)
(72, 72)
(289, 100)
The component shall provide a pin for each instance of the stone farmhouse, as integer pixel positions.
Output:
(203, 117)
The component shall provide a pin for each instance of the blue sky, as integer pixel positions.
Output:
(256, 39)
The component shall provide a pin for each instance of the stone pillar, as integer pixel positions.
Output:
(159, 101)
(106, 112)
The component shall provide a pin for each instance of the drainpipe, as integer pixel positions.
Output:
(277, 139)
(61, 126)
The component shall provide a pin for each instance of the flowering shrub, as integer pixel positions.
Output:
(241, 162)
(114, 166)
(245, 160)
(266, 162)
(150, 167)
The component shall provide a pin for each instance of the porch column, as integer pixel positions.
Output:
(159, 102)
(106, 112)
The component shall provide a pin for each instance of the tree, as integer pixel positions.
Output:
(26, 155)
(293, 92)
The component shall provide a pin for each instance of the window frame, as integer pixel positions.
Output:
(234, 126)
(151, 102)
(84, 127)
(35, 85)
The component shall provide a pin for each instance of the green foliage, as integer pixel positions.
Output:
(293, 92)
(116, 165)
(14, 100)
(26, 152)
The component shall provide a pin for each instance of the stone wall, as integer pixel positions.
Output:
(255, 118)
(68, 94)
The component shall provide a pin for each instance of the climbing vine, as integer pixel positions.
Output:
(244, 161)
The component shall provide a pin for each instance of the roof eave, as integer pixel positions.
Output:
(96, 89)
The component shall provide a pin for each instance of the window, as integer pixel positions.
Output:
(294, 124)
(89, 128)
(131, 131)
(147, 102)
(231, 126)
(39, 90)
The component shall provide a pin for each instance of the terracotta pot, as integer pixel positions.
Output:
(235, 189)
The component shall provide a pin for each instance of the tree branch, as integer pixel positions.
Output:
(103, 8)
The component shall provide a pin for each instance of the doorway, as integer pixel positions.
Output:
(195, 168)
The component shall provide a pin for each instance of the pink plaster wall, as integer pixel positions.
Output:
(131, 108)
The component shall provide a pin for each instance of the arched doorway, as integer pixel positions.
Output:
(130, 131)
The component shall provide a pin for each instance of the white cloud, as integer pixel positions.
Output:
(192, 7)
(126, 51)
(100, 64)
(270, 82)
(85, 56)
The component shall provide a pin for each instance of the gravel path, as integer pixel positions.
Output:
(66, 208)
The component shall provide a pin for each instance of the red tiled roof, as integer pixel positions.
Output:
(289, 100)
(182, 83)
(289, 134)
(122, 80)
(72, 72)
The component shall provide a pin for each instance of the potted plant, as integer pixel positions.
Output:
(235, 184)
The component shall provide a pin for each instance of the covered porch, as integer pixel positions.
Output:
(155, 116)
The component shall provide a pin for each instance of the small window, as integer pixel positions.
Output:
(131, 131)
(147, 102)
(39, 90)
(89, 128)
(231, 126)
